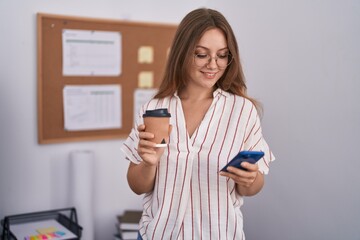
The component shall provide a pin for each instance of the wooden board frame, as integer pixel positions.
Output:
(51, 81)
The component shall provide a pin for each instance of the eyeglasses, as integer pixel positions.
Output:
(222, 60)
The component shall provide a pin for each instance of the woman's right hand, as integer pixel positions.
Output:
(146, 149)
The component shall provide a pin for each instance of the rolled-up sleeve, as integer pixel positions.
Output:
(255, 141)
(130, 145)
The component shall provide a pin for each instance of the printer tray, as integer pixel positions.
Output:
(66, 218)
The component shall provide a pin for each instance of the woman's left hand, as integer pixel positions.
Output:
(241, 177)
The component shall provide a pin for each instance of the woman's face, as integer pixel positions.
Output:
(210, 52)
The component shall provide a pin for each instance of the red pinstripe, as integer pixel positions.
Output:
(186, 206)
(208, 165)
(218, 164)
(201, 146)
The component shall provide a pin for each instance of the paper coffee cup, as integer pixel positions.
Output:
(157, 121)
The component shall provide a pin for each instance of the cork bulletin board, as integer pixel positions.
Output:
(152, 37)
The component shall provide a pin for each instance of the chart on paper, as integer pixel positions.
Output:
(92, 107)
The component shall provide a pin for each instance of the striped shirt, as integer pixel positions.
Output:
(190, 199)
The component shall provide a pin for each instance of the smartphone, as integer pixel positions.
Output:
(244, 156)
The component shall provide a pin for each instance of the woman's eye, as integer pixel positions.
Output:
(222, 56)
(200, 55)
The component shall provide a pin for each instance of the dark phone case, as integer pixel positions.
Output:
(247, 156)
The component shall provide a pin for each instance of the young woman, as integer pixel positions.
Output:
(186, 196)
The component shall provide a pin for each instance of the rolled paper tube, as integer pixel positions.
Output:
(81, 190)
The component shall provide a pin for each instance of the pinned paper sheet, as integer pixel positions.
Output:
(92, 107)
(146, 54)
(146, 79)
(91, 53)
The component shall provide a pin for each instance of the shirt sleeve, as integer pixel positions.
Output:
(256, 142)
(130, 145)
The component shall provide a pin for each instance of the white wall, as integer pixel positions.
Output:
(301, 59)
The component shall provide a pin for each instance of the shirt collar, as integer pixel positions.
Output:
(220, 91)
(215, 93)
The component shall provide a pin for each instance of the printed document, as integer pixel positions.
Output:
(92, 107)
(91, 53)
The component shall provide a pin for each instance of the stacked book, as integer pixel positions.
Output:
(128, 225)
